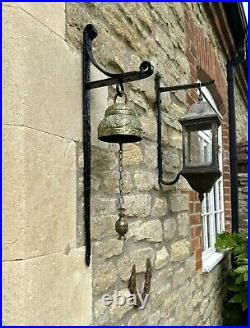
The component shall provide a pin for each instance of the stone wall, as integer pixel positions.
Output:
(242, 139)
(243, 200)
(241, 116)
(45, 281)
(159, 222)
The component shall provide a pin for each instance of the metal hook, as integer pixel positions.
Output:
(119, 89)
(200, 92)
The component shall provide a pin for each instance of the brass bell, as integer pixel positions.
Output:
(120, 124)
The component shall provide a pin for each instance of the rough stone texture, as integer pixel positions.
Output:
(160, 207)
(178, 203)
(162, 258)
(105, 277)
(180, 250)
(151, 230)
(169, 229)
(109, 248)
(132, 155)
(183, 224)
(46, 291)
(243, 200)
(158, 218)
(137, 257)
(241, 116)
(138, 205)
(145, 181)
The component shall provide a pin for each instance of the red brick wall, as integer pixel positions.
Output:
(204, 65)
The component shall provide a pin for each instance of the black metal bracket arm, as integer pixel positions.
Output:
(158, 90)
(145, 70)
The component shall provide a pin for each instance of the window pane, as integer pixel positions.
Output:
(205, 233)
(218, 222)
(198, 147)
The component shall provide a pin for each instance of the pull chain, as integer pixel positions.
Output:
(121, 225)
(121, 199)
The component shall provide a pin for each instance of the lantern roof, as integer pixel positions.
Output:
(200, 111)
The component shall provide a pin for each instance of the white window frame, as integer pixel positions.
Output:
(212, 207)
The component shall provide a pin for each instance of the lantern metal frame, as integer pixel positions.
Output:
(159, 90)
(145, 70)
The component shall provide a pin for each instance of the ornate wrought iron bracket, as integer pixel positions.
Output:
(158, 90)
(145, 70)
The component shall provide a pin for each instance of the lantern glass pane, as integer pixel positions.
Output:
(198, 147)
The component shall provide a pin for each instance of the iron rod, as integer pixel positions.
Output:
(121, 78)
(185, 86)
(87, 46)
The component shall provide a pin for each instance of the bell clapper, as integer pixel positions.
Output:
(121, 225)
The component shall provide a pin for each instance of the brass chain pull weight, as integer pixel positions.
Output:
(121, 225)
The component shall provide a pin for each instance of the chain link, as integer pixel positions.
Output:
(121, 199)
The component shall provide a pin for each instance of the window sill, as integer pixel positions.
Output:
(211, 261)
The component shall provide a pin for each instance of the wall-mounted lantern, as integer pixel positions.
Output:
(200, 160)
(119, 125)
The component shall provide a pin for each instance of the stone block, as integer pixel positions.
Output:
(44, 93)
(138, 204)
(51, 14)
(101, 312)
(169, 228)
(160, 207)
(104, 277)
(103, 225)
(149, 154)
(162, 258)
(13, 201)
(103, 206)
(180, 250)
(132, 155)
(103, 160)
(150, 230)
(183, 224)
(117, 312)
(179, 278)
(108, 248)
(53, 290)
(179, 202)
(161, 285)
(40, 214)
(137, 319)
(111, 182)
(149, 126)
(145, 181)
(154, 318)
(137, 257)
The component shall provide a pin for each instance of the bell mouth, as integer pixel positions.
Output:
(120, 138)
